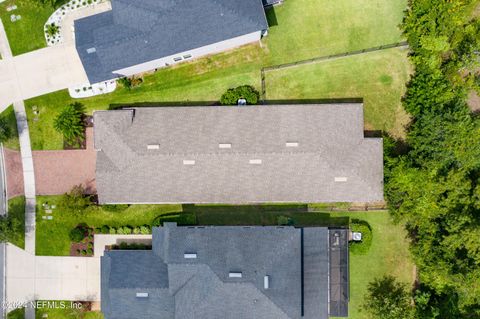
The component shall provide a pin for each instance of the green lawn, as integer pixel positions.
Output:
(378, 77)
(304, 29)
(26, 34)
(53, 235)
(9, 116)
(16, 209)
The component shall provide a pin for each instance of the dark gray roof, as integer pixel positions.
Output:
(139, 31)
(330, 141)
(201, 288)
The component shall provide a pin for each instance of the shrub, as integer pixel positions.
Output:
(246, 92)
(130, 83)
(70, 123)
(284, 221)
(75, 201)
(77, 234)
(136, 230)
(120, 231)
(5, 131)
(52, 29)
(127, 230)
(112, 231)
(90, 245)
(105, 229)
(362, 247)
(89, 251)
(84, 252)
(145, 230)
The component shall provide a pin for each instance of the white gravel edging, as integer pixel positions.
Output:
(57, 17)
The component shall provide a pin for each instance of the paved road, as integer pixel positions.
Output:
(2, 278)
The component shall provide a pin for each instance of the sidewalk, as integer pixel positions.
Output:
(28, 176)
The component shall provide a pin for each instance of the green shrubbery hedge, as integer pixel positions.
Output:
(362, 247)
(246, 92)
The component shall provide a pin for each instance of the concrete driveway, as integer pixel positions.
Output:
(39, 72)
(31, 277)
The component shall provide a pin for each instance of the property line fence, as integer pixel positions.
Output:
(324, 58)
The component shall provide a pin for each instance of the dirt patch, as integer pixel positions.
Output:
(474, 102)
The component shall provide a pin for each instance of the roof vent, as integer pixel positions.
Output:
(266, 282)
(188, 162)
(235, 275)
(153, 146)
(142, 294)
(255, 161)
(190, 256)
(91, 50)
(291, 144)
(224, 145)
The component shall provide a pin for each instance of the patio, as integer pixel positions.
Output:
(56, 172)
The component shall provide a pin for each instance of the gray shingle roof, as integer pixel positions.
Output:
(201, 288)
(139, 31)
(330, 144)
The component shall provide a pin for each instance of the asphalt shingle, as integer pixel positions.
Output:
(330, 141)
(134, 32)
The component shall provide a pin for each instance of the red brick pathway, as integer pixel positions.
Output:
(14, 172)
(56, 172)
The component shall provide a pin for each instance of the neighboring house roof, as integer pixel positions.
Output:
(332, 162)
(201, 288)
(134, 32)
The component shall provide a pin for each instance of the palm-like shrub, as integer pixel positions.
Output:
(52, 29)
(70, 123)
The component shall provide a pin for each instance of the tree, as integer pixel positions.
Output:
(70, 123)
(75, 201)
(5, 131)
(9, 227)
(434, 188)
(388, 299)
(77, 234)
(246, 92)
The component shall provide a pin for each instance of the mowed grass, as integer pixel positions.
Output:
(26, 34)
(69, 312)
(306, 29)
(300, 29)
(388, 255)
(377, 77)
(53, 235)
(9, 117)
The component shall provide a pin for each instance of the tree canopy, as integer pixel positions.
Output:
(434, 187)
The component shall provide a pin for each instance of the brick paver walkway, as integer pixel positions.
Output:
(14, 170)
(56, 172)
